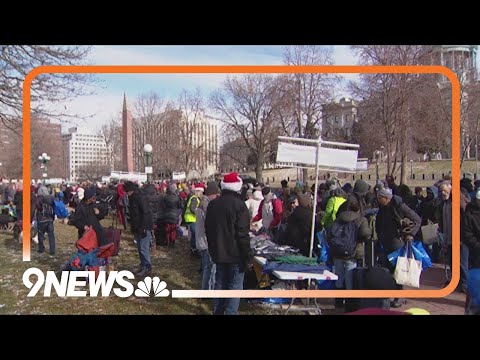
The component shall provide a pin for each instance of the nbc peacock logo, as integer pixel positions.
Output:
(152, 285)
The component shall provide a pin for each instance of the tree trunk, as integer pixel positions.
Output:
(259, 169)
(388, 160)
(403, 171)
(305, 176)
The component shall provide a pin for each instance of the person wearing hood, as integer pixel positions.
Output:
(351, 230)
(333, 204)
(45, 216)
(418, 198)
(253, 204)
(299, 225)
(469, 235)
(87, 214)
(348, 188)
(360, 190)
(155, 201)
(270, 212)
(427, 209)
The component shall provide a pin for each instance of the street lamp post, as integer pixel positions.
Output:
(148, 161)
(377, 159)
(411, 169)
(44, 159)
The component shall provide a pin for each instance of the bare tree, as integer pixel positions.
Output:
(194, 146)
(433, 130)
(235, 154)
(248, 106)
(150, 126)
(111, 133)
(388, 98)
(92, 171)
(308, 92)
(45, 138)
(469, 116)
(16, 61)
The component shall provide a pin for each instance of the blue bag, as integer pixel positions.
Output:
(60, 210)
(419, 253)
(322, 244)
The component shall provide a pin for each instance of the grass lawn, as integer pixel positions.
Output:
(173, 265)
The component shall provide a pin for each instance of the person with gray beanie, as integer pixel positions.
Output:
(395, 224)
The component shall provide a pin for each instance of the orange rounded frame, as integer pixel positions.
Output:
(215, 69)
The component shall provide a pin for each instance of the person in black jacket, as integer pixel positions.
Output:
(395, 224)
(141, 225)
(227, 226)
(45, 216)
(470, 239)
(299, 225)
(172, 206)
(155, 203)
(88, 214)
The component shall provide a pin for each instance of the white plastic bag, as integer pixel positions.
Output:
(408, 270)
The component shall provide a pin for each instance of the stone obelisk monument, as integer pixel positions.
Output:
(127, 138)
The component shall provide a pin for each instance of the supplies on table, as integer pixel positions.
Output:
(263, 246)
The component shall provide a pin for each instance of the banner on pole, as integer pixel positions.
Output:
(327, 157)
(362, 165)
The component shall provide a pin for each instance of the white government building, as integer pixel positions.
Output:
(82, 148)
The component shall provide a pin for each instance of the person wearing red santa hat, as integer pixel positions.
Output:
(227, 226)
(190, 217)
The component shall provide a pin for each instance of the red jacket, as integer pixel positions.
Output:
(277, 212)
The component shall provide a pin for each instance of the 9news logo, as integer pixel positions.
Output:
(75, 284)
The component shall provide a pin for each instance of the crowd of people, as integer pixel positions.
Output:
(221, 215)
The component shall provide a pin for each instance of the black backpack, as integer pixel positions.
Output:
(47, 212)
(343, 239)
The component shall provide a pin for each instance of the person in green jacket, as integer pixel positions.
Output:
(337, 199)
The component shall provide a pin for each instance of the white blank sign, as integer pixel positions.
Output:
(362, 165)
(327, 157)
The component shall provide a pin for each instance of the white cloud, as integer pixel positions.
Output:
(182, 55)
(343, 55)
(98, 109)
(121, 55)
(107, 103)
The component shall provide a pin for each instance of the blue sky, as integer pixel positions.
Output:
(107, 102)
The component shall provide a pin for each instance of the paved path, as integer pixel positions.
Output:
(432, 278)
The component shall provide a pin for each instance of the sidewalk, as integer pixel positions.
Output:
(432, 278)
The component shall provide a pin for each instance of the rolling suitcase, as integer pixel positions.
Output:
(370, 277)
